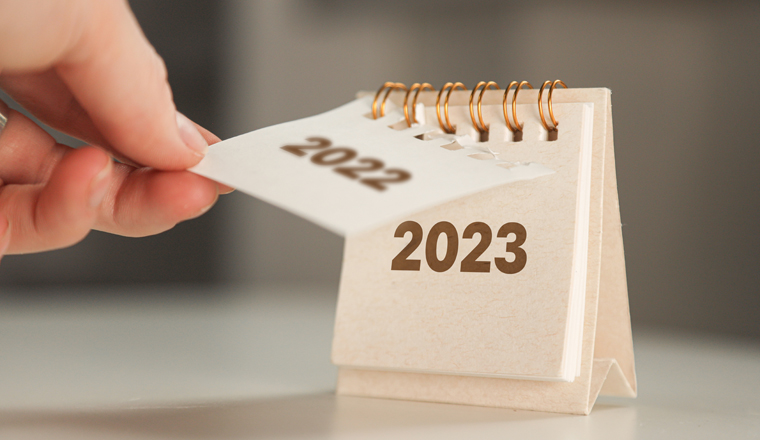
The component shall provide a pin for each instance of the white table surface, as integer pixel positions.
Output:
(251, 363)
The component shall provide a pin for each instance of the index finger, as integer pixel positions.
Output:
(99, 51)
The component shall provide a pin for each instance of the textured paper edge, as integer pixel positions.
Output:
(614, 339)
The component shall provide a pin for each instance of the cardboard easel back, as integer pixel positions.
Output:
(614, 342)
(610, 370)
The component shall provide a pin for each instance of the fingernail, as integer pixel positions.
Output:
(100, 184)
(191, 136)
(5, 236)
(224, 189)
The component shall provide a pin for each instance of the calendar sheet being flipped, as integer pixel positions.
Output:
(348, 172)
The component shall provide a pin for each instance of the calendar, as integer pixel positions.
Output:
(483, 260)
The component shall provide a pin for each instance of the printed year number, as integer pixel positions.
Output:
(470, 263)
(327, 155)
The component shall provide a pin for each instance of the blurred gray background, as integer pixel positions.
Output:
(685, 109)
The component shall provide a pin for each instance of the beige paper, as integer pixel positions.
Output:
(377, 360)
(348, 172)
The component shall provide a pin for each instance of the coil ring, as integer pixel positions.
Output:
(518, 126)
(551, 90)
(549, 103)
(482, 127)
(448, 128)
(419, 88)
(388, 87)
(472, 111)
(377, 97)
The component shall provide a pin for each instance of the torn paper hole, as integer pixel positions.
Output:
(452, 146)
(400, 125)
(482, 156)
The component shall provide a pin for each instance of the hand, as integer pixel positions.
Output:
(85, 68)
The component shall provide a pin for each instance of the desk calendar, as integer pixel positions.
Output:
(483, 259)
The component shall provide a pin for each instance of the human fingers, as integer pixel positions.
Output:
(4, 225)
(47, 97)
(100, 53)
(211, 138)
(5, 238)
(139, 201)
(61, 211)
(28, 154)
(146, 201)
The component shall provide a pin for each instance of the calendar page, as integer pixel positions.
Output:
(348, 172)
(490, 284)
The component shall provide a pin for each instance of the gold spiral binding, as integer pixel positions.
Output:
(549, 103)
(482, 127)
(518, 126)
(419, 88)
(388, 87)
(378, 105)
(448, 128)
